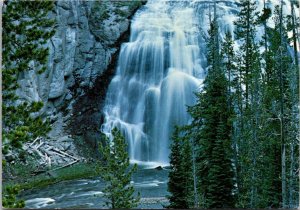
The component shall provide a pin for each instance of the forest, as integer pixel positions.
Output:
(231, 142)
(242, 150)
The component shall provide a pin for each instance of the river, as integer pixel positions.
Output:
(87, 193)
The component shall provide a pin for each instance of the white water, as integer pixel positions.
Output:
(158, 72)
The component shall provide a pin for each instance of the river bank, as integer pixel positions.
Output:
(87, 192)
(22, 176)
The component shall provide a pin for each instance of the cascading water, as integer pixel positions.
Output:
(158, 72)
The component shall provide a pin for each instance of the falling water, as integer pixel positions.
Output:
(158, 72)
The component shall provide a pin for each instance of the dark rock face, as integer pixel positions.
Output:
(83, 55)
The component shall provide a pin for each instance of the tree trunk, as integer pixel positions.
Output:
(283, 166)
(294, 35)
(265, 31)
(247, 55)
(196, 203)
(291, 181)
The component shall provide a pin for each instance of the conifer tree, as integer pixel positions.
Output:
(265, 115)
(211, 114)
(180, 183)
(9, 198)
(228, 59)
(293, 24)
(229, 65)
(271, 183)
(117, 173)
(187, 166)
(249, 113)
(281, 91)
(245, 31)
(26, 29)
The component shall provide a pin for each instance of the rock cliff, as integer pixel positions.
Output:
(82, 59)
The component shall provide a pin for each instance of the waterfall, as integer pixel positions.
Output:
(159, 70)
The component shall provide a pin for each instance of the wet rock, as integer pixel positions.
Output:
(68, 96)
(159, 168)
(84, 46)
(64, 139)
(67, 146)
(56, 88)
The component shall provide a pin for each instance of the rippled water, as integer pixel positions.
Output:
(87, 193)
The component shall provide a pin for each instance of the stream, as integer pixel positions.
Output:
(87, 193)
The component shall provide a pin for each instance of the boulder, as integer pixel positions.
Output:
(159, 168)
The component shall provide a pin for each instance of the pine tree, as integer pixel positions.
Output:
(229, 64)
(187, 167)
(249, 111)
(26, 29)
(271, 187)
(229, 61)
(9, 199)
(293, 23)
(245, 31)
(281, 91)
(211, 115)
(266, 115)
(117, 173)
(180, 183)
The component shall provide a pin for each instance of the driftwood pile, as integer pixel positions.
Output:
(50, 157)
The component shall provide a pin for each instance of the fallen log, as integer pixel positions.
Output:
(58, 154)
(38, 146)
(39, 153)
(34, 141)
(48, 160)
(66, 154)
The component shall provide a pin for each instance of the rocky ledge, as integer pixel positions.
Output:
(83, 55)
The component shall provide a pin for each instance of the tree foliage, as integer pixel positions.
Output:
(26, 30)
(180, 183)
(117, 173)
(211, 115)
(245, 120)
(9, 199)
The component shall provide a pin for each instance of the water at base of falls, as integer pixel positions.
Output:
(158, 72)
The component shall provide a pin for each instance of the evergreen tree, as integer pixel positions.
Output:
(187, 167)
(9, 199)
(211, 115)
(180, 183)
(249, 111)
(271, 183)
(117, 173)
(264, 114)
(280, 93)
(292, 25)
(26, 29)
(245, 31)
(228, 59)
